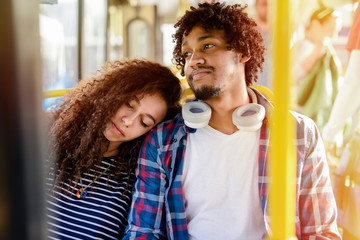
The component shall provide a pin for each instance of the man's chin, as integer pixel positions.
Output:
(206, 93)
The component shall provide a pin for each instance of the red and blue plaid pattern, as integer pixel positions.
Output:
(158, 207)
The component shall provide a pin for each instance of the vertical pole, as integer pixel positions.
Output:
(282, 151)
(22, 123)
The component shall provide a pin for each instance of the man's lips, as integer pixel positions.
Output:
(117, 130)
(200, 72)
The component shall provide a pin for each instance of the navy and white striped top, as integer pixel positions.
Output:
(102, 214)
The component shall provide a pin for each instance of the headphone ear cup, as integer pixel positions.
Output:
(249, 117)
(196, 114)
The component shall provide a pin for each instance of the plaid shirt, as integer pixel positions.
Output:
(158, 207)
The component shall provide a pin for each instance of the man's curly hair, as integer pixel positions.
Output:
(79, 121)
(240, 31)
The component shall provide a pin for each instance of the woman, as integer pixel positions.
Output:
(97, 132)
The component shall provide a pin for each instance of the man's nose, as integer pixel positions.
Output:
(197, 58)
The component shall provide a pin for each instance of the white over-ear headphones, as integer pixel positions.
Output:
(247, 117)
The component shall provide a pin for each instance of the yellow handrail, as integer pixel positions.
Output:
(55, 93)
(282, 167)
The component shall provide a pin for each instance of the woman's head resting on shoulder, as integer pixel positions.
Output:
(121, 102)
(130, 96)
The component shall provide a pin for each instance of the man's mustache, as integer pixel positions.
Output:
(195, 70)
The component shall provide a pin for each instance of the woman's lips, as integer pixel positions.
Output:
(117, 130)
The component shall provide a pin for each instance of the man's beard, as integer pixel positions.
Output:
(206, 92)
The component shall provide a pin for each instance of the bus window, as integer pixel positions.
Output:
(73, 42)
(139, 33)
(59, 46)
(94, 39)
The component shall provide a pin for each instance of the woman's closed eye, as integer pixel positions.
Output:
(144, 124)
(147, 122)
(128, 105)
(131, 104)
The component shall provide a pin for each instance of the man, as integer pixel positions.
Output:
(211, 182)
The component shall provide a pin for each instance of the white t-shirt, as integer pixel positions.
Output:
(220, 181)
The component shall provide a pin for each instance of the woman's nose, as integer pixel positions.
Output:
(129, 119)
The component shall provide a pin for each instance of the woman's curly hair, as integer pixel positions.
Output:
(79, 121)
(240, 31)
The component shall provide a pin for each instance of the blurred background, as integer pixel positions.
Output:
(50, 45)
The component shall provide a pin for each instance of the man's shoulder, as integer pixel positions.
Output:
(305, 126)
(170, 125)
(302, 119)
(168, 129)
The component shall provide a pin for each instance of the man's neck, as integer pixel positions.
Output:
(223, 108)
(222, 122)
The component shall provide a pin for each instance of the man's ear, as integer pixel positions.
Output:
(244, 59)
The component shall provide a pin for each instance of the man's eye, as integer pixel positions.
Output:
(208, 45)
(186, 54)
